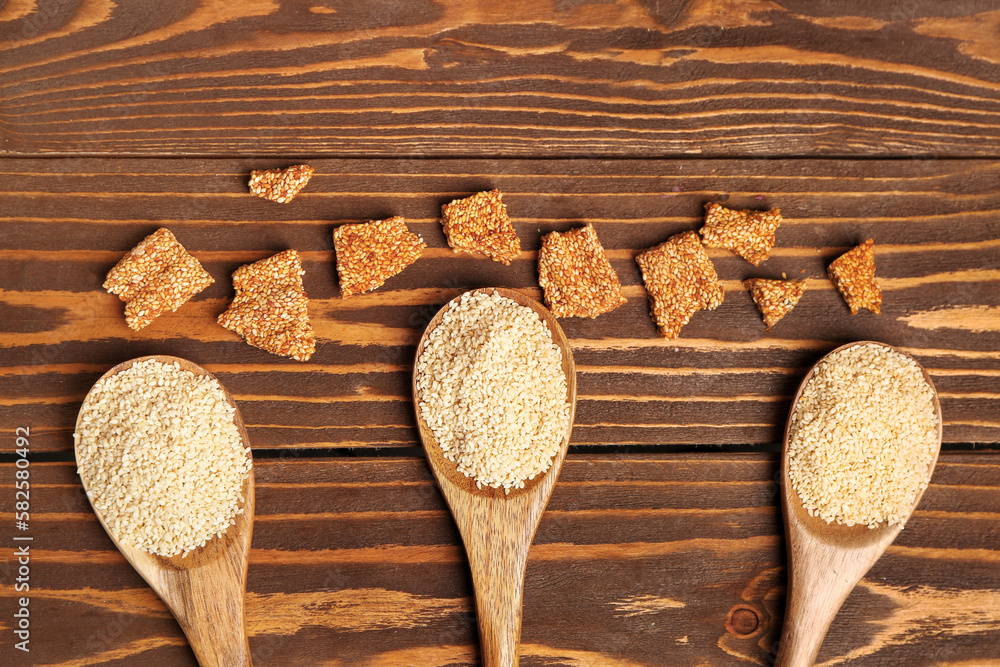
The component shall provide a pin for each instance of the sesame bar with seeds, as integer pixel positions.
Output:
(774, 298)
(280, 185)
(270, 307)
(576, 276)
(750, 234)
(370, 253)
(157, 276)
(680, 280)
(479, 225)
(854, 275)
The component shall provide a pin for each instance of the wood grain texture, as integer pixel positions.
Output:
(659, 560)
(457, 78)
(65, 222)
(205, 588)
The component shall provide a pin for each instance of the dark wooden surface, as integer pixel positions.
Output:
(639, 560)
(724, 381)
(453, 77)
(857, 120)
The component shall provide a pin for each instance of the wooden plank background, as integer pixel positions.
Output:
(662, 544)
(651, 556)
(477, 78)
(724, 381)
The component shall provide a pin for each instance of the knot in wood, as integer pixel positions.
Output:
(743, 621)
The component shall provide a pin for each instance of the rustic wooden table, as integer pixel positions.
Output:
(663, 543)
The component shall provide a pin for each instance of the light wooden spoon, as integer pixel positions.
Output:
(826, 561)
(497, 528)
(205, 589)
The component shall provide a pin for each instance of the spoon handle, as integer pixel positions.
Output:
(498, 563)
(819, 583)
(209, 608)
(222, 645)
(807, 619)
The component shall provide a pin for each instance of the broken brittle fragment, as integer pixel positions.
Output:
(576, 276)
(157, 276)
(774, 298)
(280, 185)
(270, 309)
(854, 275)
(680, 280)
(370, 253)
(750, 234)
(479, 225)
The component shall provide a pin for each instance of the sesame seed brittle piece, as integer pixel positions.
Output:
(774, 298)
(576, 276)
(479, 225)
(370, 253)
(680, 280)
(280, 185)
(270, 307)
(157, 276)
(750, 234)
(854, 275)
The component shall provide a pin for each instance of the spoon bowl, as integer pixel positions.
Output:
(827, 560)
(205, 589)
(497, 527)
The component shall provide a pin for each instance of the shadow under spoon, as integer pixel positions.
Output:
(497, 528)
(826, 561)
(204, 590)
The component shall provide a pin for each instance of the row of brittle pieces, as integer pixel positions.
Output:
(578, 280)
(573, 269)
(370, 253)
(750, 234)
(269, 309)
(479, 224)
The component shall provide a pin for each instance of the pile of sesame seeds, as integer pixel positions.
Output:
(863, 437)
(491, 387)
(161, 457)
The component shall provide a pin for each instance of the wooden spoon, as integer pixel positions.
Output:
(497, 528)
(205, 589)
(826, 561)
